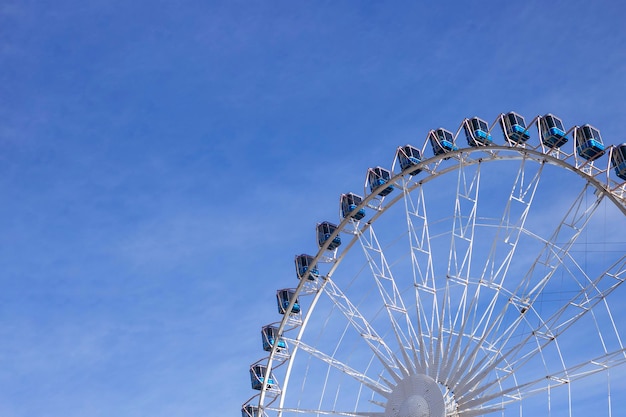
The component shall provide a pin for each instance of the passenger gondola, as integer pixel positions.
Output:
(304, 263)
(349, 203)
(514, 128)
(269, 336)
(442, 141)
(257, 377)
(250, 411)
(377, 178)
(284, 297)
(324, 231)
(589, 144)
(618, 160)
(408, 156)
(477, 132)
(552, 131)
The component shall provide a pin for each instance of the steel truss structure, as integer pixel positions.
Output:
(489, 281)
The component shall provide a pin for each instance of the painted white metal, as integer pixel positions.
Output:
(454, 345)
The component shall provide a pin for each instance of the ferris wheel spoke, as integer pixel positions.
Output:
(509, 229)
(507, 234)
(494, 271)
(421, 267)
(476, 402)
(578, 306)
(568, 230)
(358, 376)
(463, 224)
(460, 364)
(550, 330)
(551, 257)
(590, 367)
(376, 343)
(459, 264)
(326, 412)
(511, 225)
(542, 383)
(391, 297)
(584, 301)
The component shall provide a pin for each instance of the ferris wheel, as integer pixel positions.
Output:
(465, 280)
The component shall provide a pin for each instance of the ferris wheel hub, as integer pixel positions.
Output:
(416, 396)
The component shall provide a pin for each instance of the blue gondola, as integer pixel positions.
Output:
(283, 298)
(514, 128)
(618, 159)
(250, 411)
(304, 263)
(324, 231)
(408, 156)
(552, 131)
(477, 132)
(442, 141)
(257, 376)
(588, 142)
(377, 178)
(349, 203)
(269, 335)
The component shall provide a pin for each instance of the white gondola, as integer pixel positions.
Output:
(324, 231)
(442, 141)
(409, 156)
(304, 263)
(349, 203)
(250, 411)
(378, 179)
(552, 131)
(589, 144)
(477, 132)
(514, 128)
(257, 377)
(269, 336)
(284, 297)
(618, 160)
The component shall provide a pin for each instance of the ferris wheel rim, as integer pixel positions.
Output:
(491, 153)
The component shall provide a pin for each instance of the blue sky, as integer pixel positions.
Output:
(162, 162)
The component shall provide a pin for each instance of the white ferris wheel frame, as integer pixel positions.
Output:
(595, 175)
